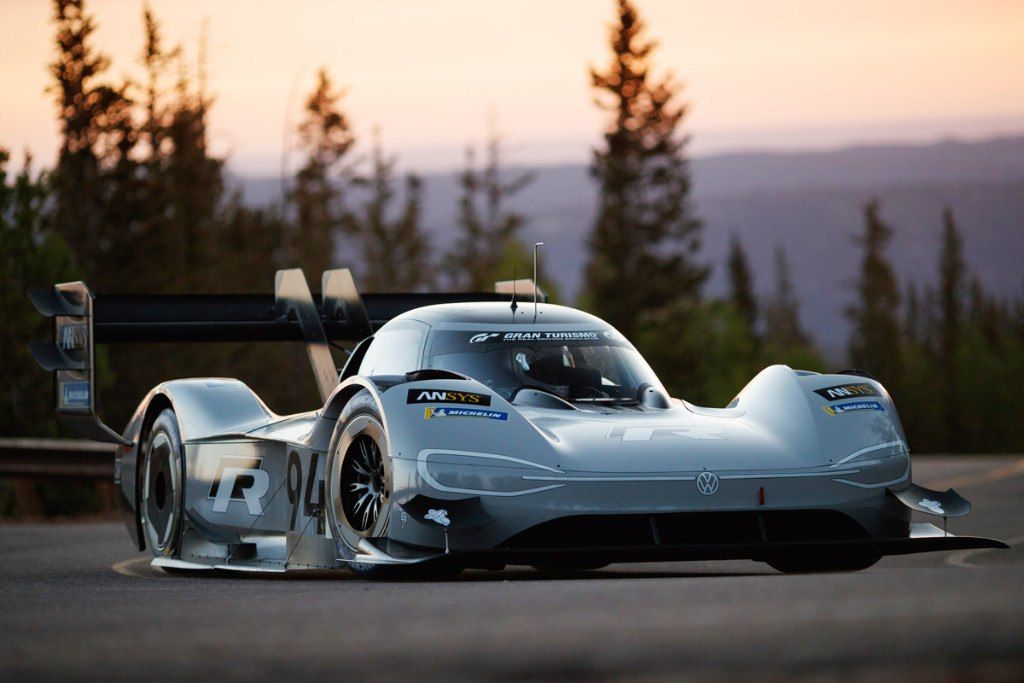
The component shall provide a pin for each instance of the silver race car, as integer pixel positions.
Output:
(474, 430)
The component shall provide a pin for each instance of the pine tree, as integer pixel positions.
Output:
(489, 231)
(875, 341)
(184, 183)
(411, 248)
(645, 236)
(156, 237)
(783, 328)
(31, 255)
(742, 285)
(326, 138)
(194, 179)
(952, 273)
(912, 323)
(95, 180)
(395, 252)
(155, 61)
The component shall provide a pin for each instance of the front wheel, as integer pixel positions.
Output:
(163, 477)
(359, 474)
(360, 487)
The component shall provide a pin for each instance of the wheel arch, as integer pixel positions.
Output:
(329, 431)
(328, 416)
(203, 407)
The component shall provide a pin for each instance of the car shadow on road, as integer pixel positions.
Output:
(142, 569)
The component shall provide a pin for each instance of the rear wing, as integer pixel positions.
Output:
(81, 320)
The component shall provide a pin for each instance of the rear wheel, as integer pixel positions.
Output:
(814, 562)
(163, 476)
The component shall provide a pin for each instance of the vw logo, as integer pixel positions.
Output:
(707, 483)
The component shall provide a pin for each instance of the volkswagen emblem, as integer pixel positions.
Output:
(707, 483)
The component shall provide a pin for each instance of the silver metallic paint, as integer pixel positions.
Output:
(776, 436)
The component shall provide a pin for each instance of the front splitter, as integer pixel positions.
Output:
(923, 538)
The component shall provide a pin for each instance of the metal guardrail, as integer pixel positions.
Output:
(60, 458)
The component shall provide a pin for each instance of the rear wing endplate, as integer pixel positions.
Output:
(71, 358)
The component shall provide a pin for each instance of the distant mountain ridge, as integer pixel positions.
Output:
(949, 161)
(810, 202)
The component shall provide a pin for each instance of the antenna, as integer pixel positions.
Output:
(536, 245)
(514, 305)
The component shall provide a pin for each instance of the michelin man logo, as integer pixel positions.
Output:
(932, 505)
(439, 516)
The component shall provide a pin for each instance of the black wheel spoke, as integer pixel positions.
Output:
(363, 487)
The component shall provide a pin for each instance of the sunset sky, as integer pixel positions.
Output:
(788, 75)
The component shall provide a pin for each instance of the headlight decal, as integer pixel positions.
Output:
(423, 470)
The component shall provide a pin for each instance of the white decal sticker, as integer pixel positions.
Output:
(439, 516)
(246, 483)
(73, 337)
(533, 336)
(648, 433)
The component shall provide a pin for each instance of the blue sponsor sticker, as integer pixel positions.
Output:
(853, 407)
(74, 395)
(431, 413)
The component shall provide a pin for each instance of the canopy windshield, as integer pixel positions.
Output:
(589, 366)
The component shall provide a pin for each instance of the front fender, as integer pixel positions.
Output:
(827, 416)
(472, 419)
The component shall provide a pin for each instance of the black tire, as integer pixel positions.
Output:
(359, 437)
(359, 471)
(162, 477)
(815, 563)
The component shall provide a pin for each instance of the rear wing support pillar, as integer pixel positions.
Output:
(292, 297)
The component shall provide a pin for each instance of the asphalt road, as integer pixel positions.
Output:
(77, 602)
